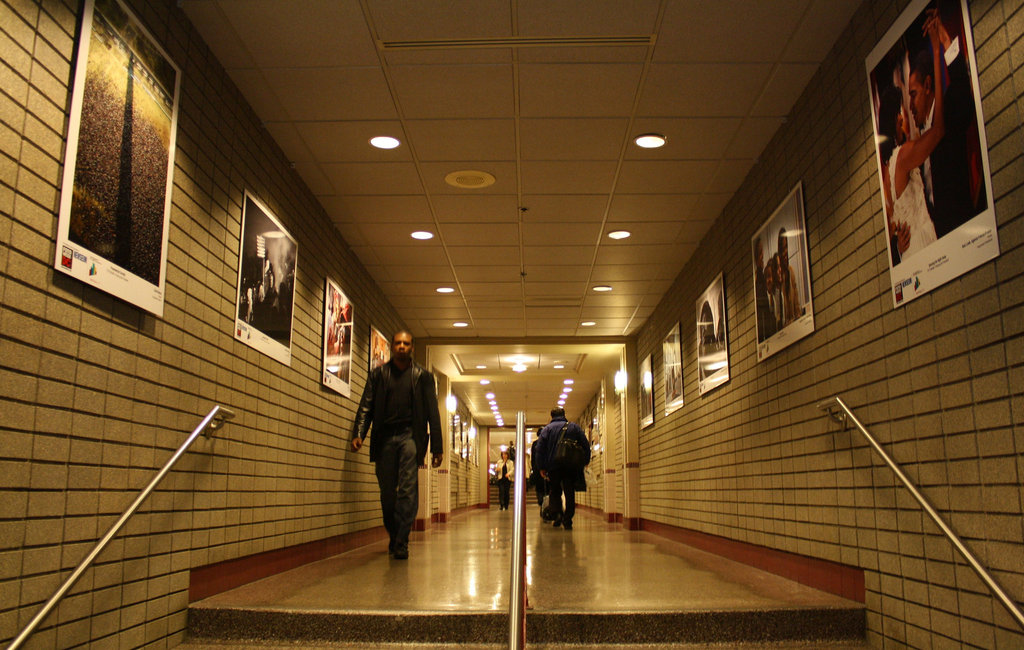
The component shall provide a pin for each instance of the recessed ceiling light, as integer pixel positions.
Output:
(480, 367)
(619, 234)
(562, 396)
(489, 395)
(558, 366)
(423, 234)
(460, 323)
(484, 382)
(588, 323)
(445, 290)
(561, 402)
(602, 287)
(569, 382)
(650, 140)
(385, 142)
(519, 367)
(567, 389)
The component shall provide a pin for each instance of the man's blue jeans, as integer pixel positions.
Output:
(399, 487)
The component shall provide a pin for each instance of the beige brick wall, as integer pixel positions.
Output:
(940, 381)
(95, 395)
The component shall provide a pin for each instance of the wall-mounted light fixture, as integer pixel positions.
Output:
(451, 403)
(620, 381)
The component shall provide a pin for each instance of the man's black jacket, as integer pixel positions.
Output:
(424, 409)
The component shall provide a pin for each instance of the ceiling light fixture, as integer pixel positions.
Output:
(489, 395)
(445, 290)
(460, 323)
(484, 382)
(422, 235)
(519, 367)
(569, 382)
(385, 142)
(602, 287)
(588, 323)
(481, 367)
(619, 234)
(650, 140)
(558, 366)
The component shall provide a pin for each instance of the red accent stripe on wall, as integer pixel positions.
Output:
(214, 578)
(832, 577)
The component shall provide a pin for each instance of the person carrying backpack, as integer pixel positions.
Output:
(562, 453)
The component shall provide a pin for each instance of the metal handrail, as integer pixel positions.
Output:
(213, 421)
(517, 582)
(841, 416)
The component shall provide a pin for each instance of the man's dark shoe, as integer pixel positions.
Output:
(401, 554)
(557, 523)
(567, 525)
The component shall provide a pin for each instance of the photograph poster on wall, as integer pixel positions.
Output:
(932, 154)
(115, 197)
(782, 280)
(337, 352)
(712, 341)
(672, 368)
(266, 282)
(646, 392)
(380, 348)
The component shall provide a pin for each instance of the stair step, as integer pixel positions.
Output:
(421, 627)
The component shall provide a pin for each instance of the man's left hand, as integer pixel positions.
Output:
(435, 460)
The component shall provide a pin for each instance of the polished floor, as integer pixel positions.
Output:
(464, 567)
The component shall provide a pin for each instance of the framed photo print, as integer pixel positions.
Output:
(115, 197)
(782, 281)
(266, 283)
(672, 362)
(380, 348)
(337, 352)
(933, 168)
(646, 393)
(712, 339)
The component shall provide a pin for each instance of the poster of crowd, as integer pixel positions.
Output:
(337, 353)
(646, 393)
(380, 348)
(266, 282)
(115, 198)
(672, 369)
(783, 308)
(931, 149)
(712, 341)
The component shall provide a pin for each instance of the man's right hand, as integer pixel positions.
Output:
(357, 442)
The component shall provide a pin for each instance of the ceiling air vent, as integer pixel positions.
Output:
(469, 179)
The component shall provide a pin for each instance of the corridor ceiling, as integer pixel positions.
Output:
(517, 121)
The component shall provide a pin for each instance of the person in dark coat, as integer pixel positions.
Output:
(400, 402)
(561, 480)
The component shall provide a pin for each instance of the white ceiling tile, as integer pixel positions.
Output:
(447, 92)
(541, 208)
(644, 207)
(555, 256)
(568, 177)
(572, 139)
(412, 208)
(696, 30)
(373, 178)
(697, 138)
(727, 90)
(333, 97)
(401, 20)
(349, 141)
(600, 18)
(578, 90)
(475, 209)
(665, 176)
(277, 35)
(410, 257)
(487, 273)
(480, 255)
(753, 136)
(481, 234)
(565, 234)
(458, 140)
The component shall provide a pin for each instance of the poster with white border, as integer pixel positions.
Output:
(337, 352)
(938, 215)
(672, 369)
(783, 307)
(266, 282)
(115, 202)
(712, 337)
(646, 393)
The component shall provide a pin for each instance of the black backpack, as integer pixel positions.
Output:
(569, 453)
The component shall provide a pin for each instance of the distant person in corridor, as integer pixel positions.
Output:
(400, 402)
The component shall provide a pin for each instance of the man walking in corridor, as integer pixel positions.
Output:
(561, 479)
(400, 402)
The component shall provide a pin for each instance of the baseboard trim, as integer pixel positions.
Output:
(825, 575)
(215, 578)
